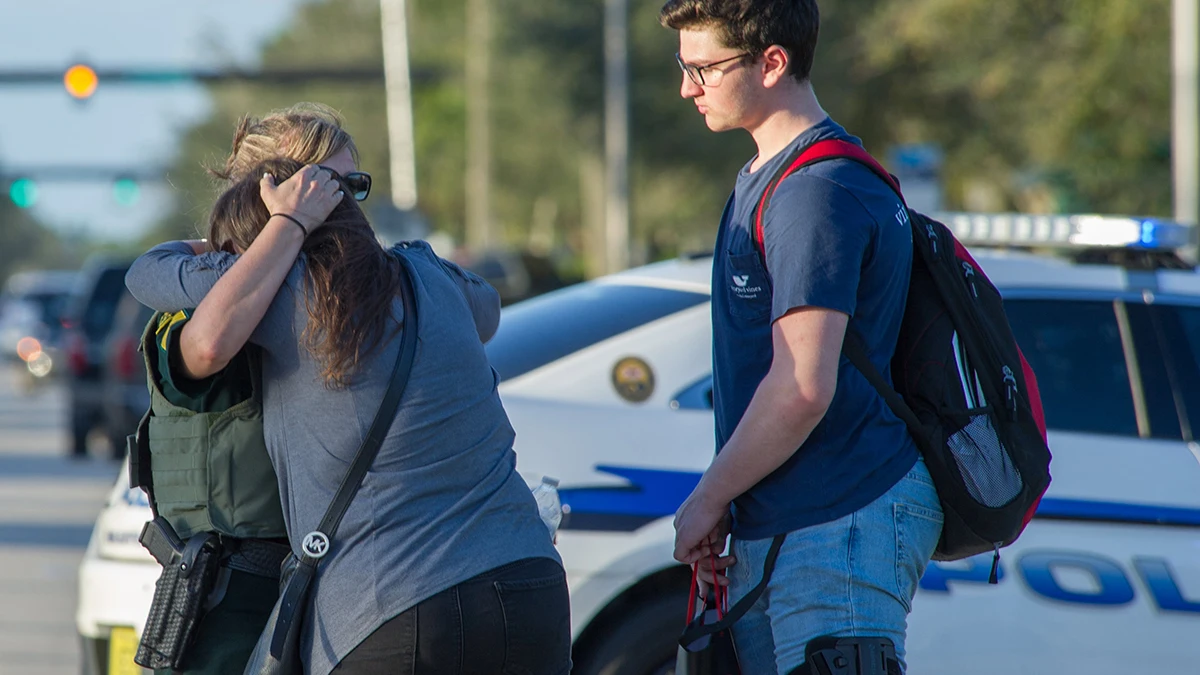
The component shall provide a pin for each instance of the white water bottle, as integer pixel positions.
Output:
(549, 505)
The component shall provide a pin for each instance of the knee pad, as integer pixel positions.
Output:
(849, 656)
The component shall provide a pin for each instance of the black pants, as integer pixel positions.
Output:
(514, 619)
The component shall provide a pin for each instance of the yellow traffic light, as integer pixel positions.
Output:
(81, 81)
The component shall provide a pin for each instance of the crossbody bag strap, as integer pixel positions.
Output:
(379, 427)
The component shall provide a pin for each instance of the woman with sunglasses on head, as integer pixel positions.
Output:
(230, 466)
(442, 564)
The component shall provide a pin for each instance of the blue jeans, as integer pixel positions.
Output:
(852, 577)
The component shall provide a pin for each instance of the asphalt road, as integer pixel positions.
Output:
(48, 504)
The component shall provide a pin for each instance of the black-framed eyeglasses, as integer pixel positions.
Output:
(358, 182)
(696, 73)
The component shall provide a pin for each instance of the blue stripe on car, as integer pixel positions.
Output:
(651, 494)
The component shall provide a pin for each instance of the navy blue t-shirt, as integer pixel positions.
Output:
(837, 237)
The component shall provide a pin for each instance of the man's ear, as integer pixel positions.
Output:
(775, 61)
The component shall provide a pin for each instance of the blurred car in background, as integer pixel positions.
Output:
(88, 321)
(32, 306)
(116, 583)
(609, 387)
(516, 275)
(126, 396)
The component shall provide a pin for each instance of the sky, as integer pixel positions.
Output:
(121, 125)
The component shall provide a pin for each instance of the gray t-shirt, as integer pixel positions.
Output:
(442, 502)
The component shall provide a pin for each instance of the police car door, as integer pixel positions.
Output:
(1106, 578)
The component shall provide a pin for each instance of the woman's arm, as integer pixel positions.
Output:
(481, 297)
(171, 276)
(229, 313)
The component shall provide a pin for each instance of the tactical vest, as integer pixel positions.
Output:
(210, 472)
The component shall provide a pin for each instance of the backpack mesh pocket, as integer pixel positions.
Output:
(987, 470)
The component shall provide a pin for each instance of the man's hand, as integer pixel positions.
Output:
(309, 196)
(700, 528)
(708, 571)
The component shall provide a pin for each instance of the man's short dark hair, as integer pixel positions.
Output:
(753, 25)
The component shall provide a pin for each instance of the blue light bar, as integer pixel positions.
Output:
(1068, 231)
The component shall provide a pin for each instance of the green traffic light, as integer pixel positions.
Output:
(23, 192)
(126, 191)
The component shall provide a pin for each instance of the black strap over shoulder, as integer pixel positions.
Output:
(320, 542)
(383, 417)
(852, 347)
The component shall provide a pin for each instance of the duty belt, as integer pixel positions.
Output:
(256, 556)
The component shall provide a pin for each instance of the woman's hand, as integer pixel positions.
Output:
(309, 196)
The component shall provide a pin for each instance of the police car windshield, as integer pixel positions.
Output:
(538, 331)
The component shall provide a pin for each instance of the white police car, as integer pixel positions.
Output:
(608, 384)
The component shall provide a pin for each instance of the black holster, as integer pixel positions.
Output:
(849, 656)
(189, 573)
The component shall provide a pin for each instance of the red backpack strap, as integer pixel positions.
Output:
(817, 152)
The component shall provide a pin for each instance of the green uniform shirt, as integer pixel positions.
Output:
(215, 393)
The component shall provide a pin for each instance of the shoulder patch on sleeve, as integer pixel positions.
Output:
(165, 323)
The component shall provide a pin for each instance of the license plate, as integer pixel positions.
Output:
(122, 645)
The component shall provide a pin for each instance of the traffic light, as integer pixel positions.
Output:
(23, 192)
(81, 81)
(126, 191)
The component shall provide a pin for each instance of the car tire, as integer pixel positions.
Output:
(645, 643)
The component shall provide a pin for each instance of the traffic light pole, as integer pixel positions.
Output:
(135, 76)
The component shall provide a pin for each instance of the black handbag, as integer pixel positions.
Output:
(706, 646)
(278, 649)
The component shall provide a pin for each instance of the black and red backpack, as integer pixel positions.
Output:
(962, 386)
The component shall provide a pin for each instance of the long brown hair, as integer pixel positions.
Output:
(350, 281)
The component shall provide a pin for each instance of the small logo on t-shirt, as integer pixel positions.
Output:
(902, 215)
(741, 287)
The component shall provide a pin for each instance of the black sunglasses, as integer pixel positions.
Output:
(358, 182)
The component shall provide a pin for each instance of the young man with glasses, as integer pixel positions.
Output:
(806, 447)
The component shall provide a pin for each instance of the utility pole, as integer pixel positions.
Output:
(401, 147)
(1185, 119)
(479, 152)
(616, 134)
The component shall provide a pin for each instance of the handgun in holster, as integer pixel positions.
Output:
(160, 539)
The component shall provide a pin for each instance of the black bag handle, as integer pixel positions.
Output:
(695, 631)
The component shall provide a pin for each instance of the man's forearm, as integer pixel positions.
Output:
(776, 423)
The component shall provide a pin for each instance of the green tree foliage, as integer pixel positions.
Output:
(1046, 104)
(1059, 104)
(547, 120)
